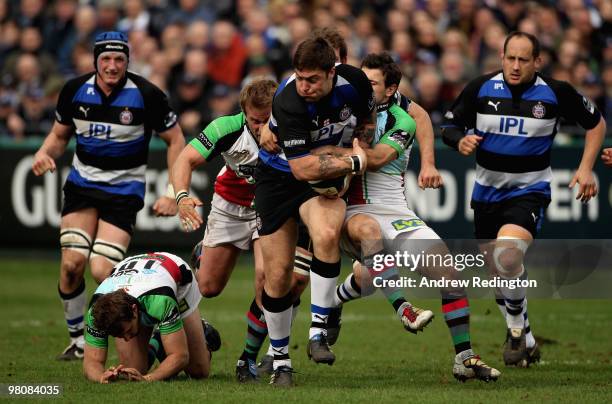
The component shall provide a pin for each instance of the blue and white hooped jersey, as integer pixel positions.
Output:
(113, 133)
(518, 125)
(302, 126)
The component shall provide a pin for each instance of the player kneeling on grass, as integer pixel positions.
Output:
(148, 303)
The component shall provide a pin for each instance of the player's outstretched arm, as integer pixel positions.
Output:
(429, 177)
(584, 175)
(53, 147)
(94, 361)
(175, 345)
(165, 205)
(184, 165)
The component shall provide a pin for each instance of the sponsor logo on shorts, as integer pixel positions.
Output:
(258, 223)
(205, 141)
(183, 306)
(405, 224)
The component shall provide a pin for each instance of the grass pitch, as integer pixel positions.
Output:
(377, 361)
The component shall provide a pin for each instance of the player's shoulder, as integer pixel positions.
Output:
(145, 86)
(287, 98)
(350, 73)
(558, 86)
(73, 84)
(477, 83)
(227, 124)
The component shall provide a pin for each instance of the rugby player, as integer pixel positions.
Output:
(143, 293)
(113, 113)
(509, 119)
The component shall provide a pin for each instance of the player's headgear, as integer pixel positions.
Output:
(110, 41)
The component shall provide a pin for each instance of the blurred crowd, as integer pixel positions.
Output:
(201, 51)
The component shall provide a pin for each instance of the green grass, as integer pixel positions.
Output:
(376, 360)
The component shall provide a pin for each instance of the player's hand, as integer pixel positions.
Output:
(606, 156)
(468, 144)
(132, 375)
(111, 374)
(189, 216)
(358, 150)
(165, 206)
(588, 186)
(268, 140)
(42, 163)
(429, 177)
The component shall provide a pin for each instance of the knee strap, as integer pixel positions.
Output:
(75, 239)
(111, 251)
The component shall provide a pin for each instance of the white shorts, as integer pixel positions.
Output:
(393, 221)
(229, 223)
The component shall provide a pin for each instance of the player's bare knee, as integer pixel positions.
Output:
(368, 231)
(210, 289)
(199, 370)
(508, 257)
(326, 236)
(73, 268)
(100, 269)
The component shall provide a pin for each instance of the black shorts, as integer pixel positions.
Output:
(278, 197)
(118, 210)
(526, 211)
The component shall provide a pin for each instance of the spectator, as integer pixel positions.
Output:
(228, 54)
(137, 18)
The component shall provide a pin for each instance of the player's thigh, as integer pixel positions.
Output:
(133, 353)
(199, 356)
(216, 266)
(77, 230)
(364, 232)
(278, 251)
(324, 218)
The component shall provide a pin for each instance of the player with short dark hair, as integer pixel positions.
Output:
(147, 292)
(113, 113)
(321, 104)
(510, 118)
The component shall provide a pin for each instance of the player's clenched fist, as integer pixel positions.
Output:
(468, 144)
(42, 163)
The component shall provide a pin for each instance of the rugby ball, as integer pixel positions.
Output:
(331, 188)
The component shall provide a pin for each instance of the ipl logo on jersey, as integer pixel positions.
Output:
(538, 110)
(345, 113)
(126, 117)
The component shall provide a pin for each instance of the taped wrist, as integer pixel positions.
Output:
(180, 195)
(356, 164)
